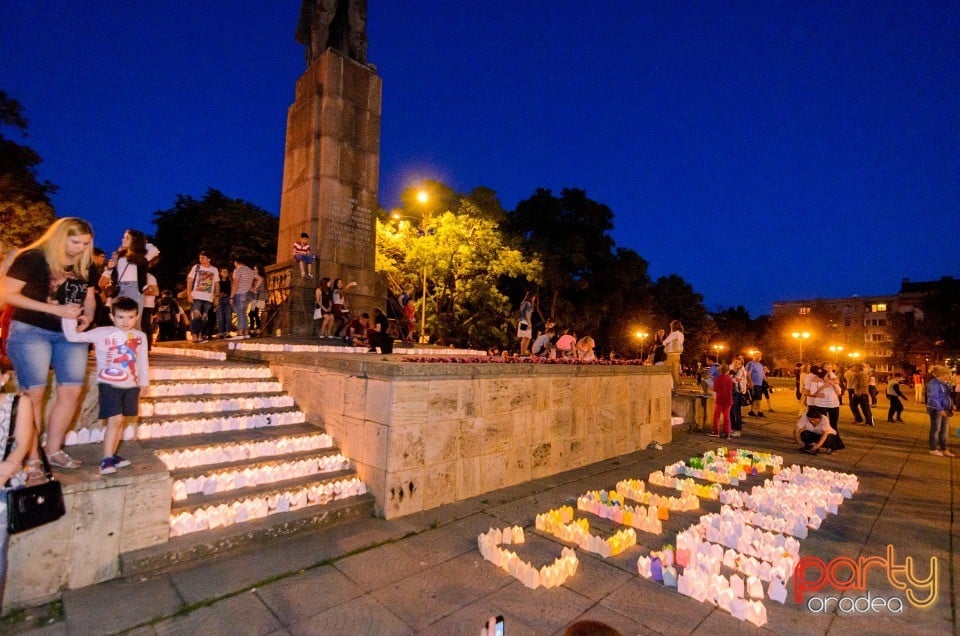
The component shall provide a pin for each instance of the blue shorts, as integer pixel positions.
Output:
(118, 401)
(33, 350)
(305, 258)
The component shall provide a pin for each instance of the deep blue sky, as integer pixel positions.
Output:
(761, 150)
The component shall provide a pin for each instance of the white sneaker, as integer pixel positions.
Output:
(736, 433)
(937, 453)
(947, 453)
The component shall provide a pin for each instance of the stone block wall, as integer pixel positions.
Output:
(422, 435)
(104, 519)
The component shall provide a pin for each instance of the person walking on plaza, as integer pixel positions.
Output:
(757, 375)
(741, 396)
(850, 379)
(723, 401)
(50, 279)
(203, 286)
(917, 386)
(939, 408)
(896, 397)
(861, 391)
(673, 347)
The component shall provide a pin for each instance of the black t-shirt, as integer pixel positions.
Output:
(383, 323)
(39, 284)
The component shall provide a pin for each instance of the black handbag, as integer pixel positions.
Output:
(32, 506)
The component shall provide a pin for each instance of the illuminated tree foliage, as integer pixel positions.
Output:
(25, 207)
(464, 257)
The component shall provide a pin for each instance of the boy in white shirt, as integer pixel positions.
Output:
(121, 370)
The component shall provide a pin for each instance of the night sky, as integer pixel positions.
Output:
(761, 150)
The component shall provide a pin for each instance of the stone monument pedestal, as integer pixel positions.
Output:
(330, 175)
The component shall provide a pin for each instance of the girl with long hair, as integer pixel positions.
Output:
(127, 268)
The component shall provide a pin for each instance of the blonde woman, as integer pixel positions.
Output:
(50, 279)
(584, 349)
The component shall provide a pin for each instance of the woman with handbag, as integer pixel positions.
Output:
(51, 279)
(126, 272)
(16, 440)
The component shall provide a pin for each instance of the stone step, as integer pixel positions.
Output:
(195, 502)
(210, 372)
(241, 476)
(220, 439)
(185, 388)
(202, 513)
(205, 469)
(181, 551)
(160, 427)
(208, 405)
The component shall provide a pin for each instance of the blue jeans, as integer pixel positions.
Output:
(196, 324)
(33, 350)
(224, 316)
(240, 302)
(938, 429)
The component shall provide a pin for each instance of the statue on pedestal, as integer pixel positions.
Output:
(337, 24)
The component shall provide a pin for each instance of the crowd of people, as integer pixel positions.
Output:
(820, 389)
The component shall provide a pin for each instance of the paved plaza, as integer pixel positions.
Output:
(423, 574)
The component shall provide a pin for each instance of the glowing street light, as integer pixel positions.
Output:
(718, 348)
(641, 336)
(835, 350)
(854, 355)
(800, 336)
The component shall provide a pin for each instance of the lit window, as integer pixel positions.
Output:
(804, 311)
(878, 307)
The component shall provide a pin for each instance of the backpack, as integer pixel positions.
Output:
(164, 311)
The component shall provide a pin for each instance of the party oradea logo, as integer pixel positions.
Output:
(820, 585)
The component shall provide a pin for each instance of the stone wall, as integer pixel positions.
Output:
(105, 517)
(422, 435)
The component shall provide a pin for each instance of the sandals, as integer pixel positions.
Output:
(61, 460)
(34, 469)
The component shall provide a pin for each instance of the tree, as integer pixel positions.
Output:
(675, 299)
(222, 226)
(25, 207)
(569, 233)
(736, 331)
(463, 256)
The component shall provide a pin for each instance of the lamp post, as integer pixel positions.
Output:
(854, 356)
(423, 197)
(641, 336)
(800, 336)
(835, 350)
(718, 348)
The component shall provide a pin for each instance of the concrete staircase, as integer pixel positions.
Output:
(245, 465)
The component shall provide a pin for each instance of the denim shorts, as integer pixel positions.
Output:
(33, 350)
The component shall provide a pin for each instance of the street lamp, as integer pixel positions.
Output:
(718, 348)
(800, 336)
(835, 350)
(641, 336)
(854, 355)
(423, 197)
